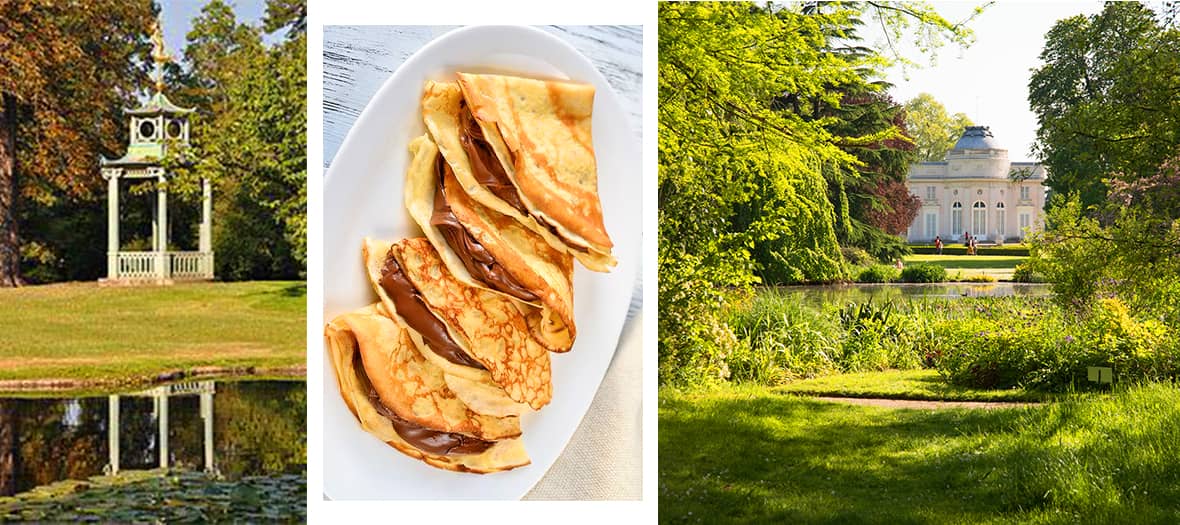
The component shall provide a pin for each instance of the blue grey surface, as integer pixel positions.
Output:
(977, 137)
(358, 60)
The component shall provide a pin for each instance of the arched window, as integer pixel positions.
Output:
(979, 218)
(1000, 227)
(956, 218)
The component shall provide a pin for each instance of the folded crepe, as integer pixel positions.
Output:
(530, 155)
(475, 335)
(485, 248)
(402, 398)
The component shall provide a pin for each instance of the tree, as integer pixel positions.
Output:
(745, 159)
(252, 141)
(68, 70)
(898, 209)
(934, 130)
(1107, 99)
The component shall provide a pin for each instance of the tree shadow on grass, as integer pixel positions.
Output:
(785, 460)
(298, 289)
(289, 290)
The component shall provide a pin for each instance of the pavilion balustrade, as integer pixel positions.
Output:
(177, 265)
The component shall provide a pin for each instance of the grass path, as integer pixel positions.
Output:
(921, 405)
(924, 384)
(83, 332)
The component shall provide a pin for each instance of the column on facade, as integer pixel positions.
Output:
(162, 270)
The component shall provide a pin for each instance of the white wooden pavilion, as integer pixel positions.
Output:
(155, 126)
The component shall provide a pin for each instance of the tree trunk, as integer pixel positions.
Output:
(9, 241)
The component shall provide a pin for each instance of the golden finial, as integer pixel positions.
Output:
(159, 54)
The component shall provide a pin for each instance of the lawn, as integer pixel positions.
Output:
(81, 331)
(922, 384)
(998, 266)
(748, 455)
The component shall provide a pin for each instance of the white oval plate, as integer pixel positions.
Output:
(363, 196)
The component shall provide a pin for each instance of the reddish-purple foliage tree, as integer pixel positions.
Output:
(895, 207)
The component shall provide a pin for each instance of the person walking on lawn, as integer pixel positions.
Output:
(938, 244)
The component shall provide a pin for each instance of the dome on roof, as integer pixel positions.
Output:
(977, 137)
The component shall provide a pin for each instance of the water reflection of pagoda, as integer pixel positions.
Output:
(256, 429)
(160, 396)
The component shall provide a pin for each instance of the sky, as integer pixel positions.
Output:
(989, 80)
(177, 19)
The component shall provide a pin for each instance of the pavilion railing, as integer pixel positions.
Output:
(191, 265)
(136, 265)
(178, 265)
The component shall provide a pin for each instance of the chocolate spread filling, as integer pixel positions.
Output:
(485, 167)
(483, 267)
(411, 307)
(432, 441)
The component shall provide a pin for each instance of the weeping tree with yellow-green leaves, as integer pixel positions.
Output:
(746, 154)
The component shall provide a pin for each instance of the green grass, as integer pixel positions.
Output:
(157, 496)
(997, 266)
(81, 331)
(748, 455)
(923, 384)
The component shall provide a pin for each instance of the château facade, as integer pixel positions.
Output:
(976, 190)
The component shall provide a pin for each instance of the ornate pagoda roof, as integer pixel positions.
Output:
(158, 104)
(138, 155)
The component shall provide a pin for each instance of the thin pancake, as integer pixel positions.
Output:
(475, 387)
(345, 335)
(526, 257)
(540, 133)
(497, 333)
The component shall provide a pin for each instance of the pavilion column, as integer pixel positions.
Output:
(112, 224)
(162, 270)
(113, 434)
(155, 224)
(162, 420)
(207, 416)
(206, 232)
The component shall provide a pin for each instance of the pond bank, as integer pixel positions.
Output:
(67, 385)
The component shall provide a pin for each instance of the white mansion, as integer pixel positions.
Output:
(977, 190)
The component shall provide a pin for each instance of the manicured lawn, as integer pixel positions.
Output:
(924, 384)
(155, 496)
(749, 455)
(83, 331)
(998, 266)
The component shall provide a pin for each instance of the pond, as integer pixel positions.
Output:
(846, 293)
(234, 429)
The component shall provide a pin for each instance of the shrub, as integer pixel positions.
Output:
(780, 339)
(878, 273)
(923, 273)
(959, 249)
(980, 278)
(1024, 274)
(856, 256)
(1038, 345)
